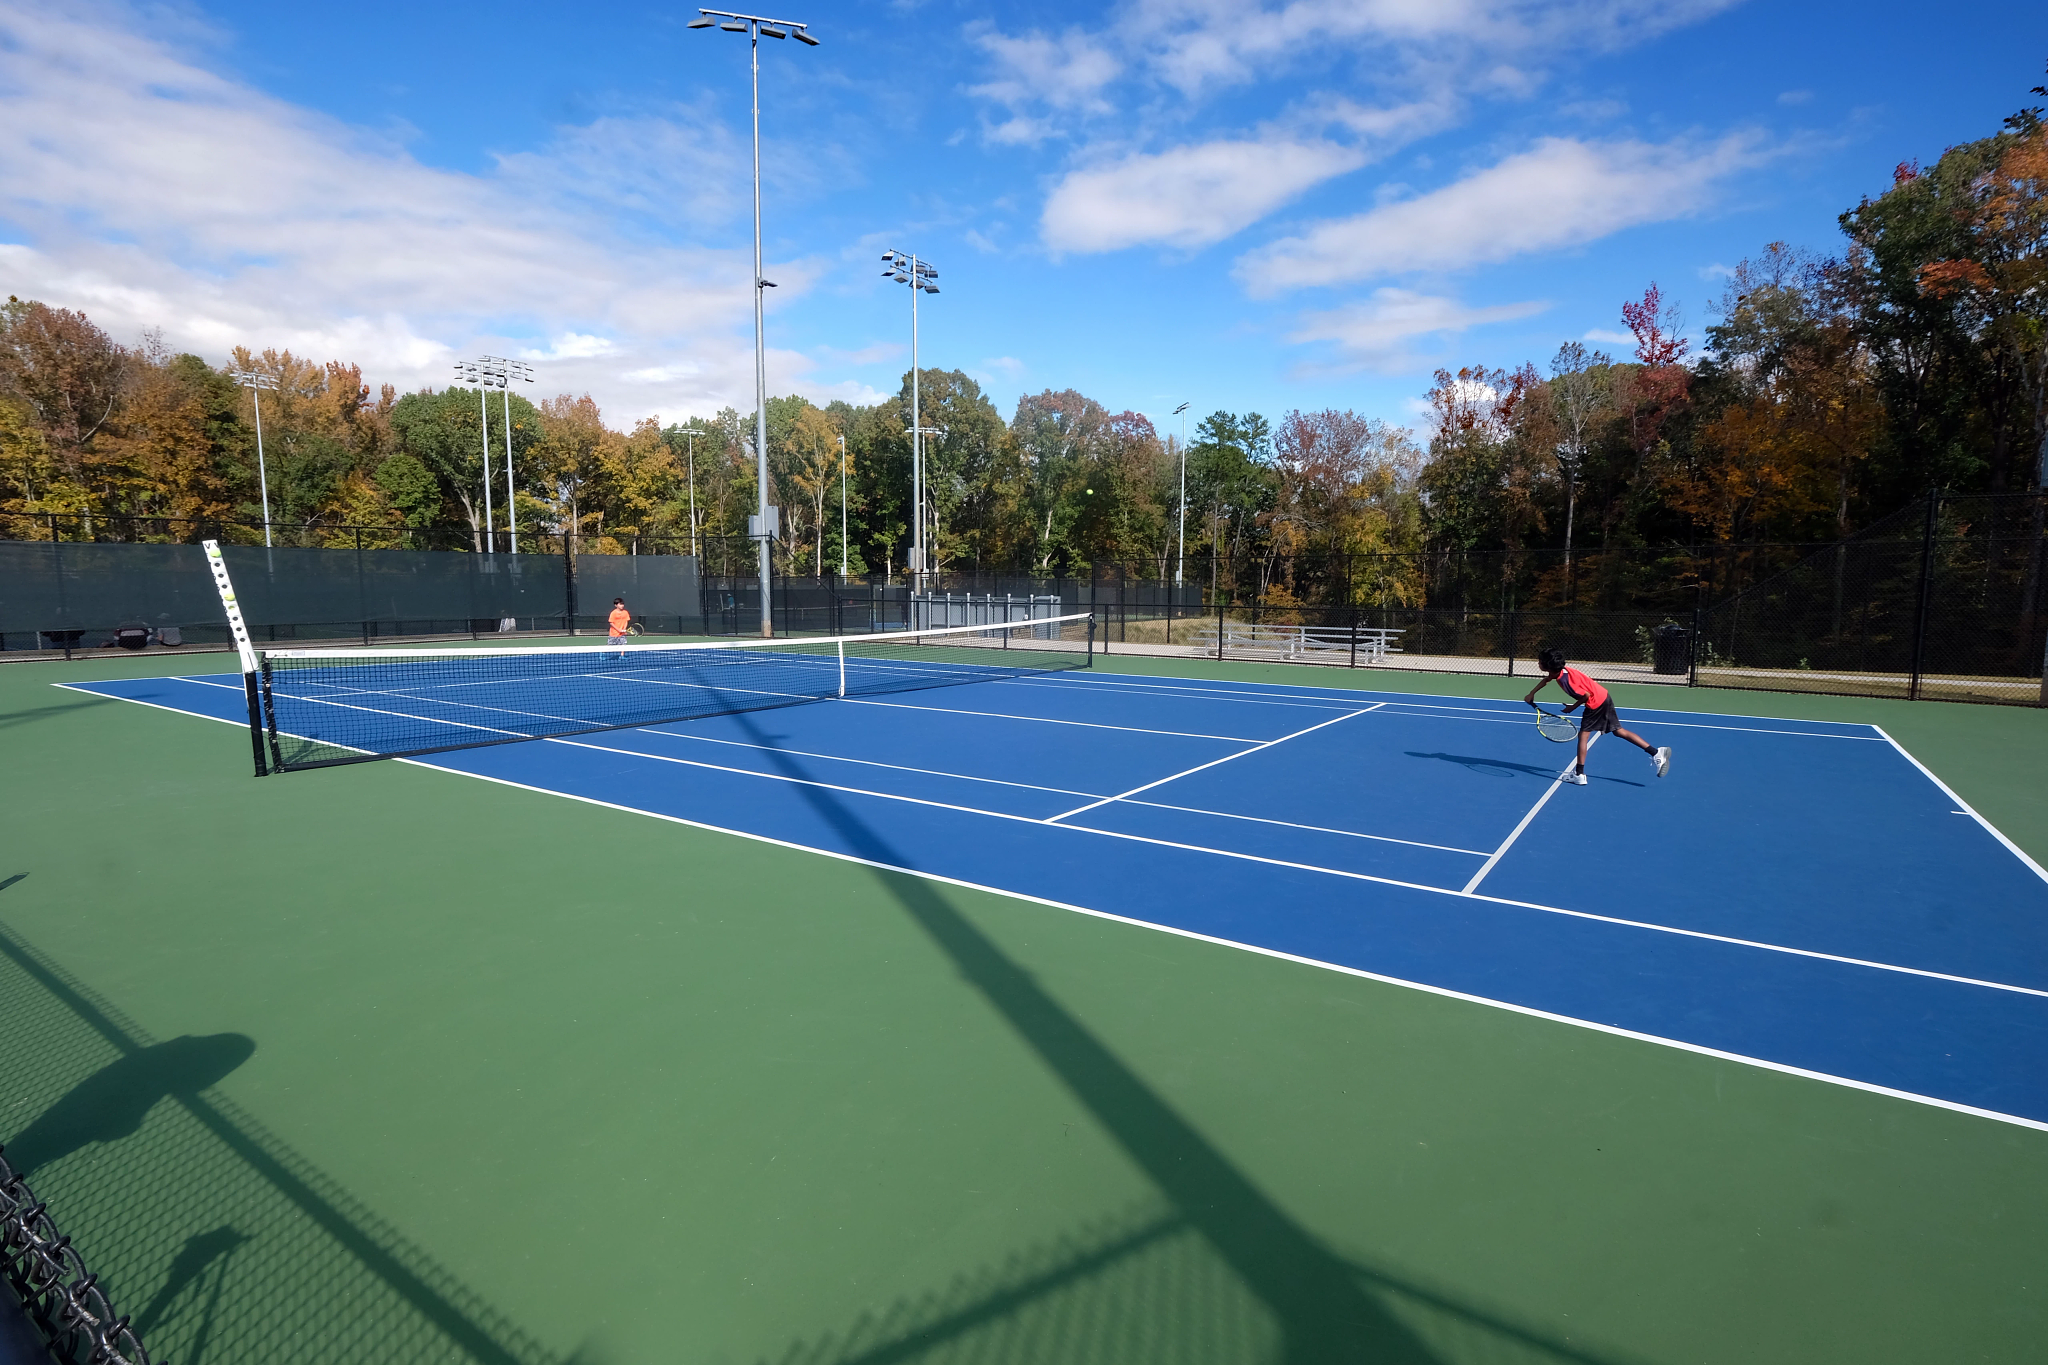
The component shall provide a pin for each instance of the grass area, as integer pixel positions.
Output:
(383, 1063)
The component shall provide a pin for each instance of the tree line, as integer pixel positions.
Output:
(1830, 390)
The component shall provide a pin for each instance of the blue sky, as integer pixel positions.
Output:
(1237, 206)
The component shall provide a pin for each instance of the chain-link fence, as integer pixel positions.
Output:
(1941, 601)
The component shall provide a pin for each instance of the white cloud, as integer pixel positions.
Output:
(1067, 72)
(1791, 97)
(1561, 193)
(150, 191)
(1187, 197)
(1378, 334)
(573, 346)
(1007, 365)
(1610, 336)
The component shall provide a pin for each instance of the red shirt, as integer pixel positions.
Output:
(1582, 688)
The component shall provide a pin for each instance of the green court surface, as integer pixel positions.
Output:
(388, 1064)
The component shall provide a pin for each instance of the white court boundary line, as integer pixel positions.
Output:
(1056, 791)
(1333, 695)
(1445, 992)
(1968, 809)
(1212, 763)
(1516, 832)
(1236, 855)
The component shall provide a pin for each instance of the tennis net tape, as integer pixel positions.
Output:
(327, 706)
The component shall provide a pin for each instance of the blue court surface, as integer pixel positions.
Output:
(1798, 894)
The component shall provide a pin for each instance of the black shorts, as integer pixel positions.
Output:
(1601, 719)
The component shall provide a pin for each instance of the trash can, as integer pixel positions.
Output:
(1671, 649)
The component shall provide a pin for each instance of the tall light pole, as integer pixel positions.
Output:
(754, 26)
(477, 373)
(1181, 564)
(256, 383)
(908, 269)
(842, 505)
(690, 435)
(504, 371)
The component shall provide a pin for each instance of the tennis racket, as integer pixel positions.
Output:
(1554, 726)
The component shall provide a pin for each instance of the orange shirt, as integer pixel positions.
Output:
(1582, 688)
(620, 619)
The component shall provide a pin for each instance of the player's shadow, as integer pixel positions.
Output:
(1500, 767)
(234, 1245)
(1322, 1312)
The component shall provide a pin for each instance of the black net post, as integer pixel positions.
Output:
(1926, 583)
(255, 722)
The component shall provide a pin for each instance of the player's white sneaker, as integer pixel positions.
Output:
(1579, 777)
(1662, 758)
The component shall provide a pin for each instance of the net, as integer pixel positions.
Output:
(327, 706)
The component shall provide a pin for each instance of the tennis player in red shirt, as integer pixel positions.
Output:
(1600, 717)
(620, 621)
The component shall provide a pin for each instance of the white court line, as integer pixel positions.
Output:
(1516, 833)
(1967, 808)
(1060, 791)
(1661, 724)
(1497, 715)
(1443, 992)
(1214, 762)
(1322, 871)
(1040, 720)
(1225, 692)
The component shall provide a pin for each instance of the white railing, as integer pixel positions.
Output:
(1301, 644)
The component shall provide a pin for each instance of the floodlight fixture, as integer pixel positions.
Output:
(501, 371)
(906, 268)
(754, 25)
(701, 21)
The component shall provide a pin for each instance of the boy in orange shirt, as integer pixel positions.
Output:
(620, 619)
(1600, 717)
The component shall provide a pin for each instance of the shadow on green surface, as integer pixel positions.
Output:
(240, 1248)
(33, 713)
(1224, 1252)
(1140, 1288)
(112, 1102)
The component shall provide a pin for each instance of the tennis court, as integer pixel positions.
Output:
(1357, 1101)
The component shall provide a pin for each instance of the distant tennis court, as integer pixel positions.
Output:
(1798, 894)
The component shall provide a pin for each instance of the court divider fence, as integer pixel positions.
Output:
(1943, 599)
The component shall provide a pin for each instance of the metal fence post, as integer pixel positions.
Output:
(1926, 579)
(1692, 646)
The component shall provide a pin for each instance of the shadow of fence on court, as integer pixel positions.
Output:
(1220, 1273)
(1144, 1287)
(225, 1243)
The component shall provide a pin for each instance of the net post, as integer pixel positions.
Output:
(269, 713)
(239, 630)
(1091, 639)
(842, 667)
